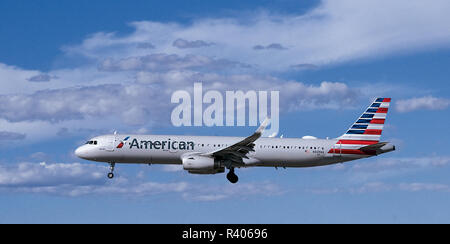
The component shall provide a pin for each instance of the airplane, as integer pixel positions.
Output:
(214, 154)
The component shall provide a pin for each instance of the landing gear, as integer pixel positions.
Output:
(232, 177)
(111, 170)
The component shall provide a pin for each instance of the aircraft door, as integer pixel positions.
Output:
(337, 150)
(110, 144)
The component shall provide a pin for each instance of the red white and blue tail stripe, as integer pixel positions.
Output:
(366, 130)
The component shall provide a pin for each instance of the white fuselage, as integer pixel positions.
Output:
(214, 154)
(169, 149)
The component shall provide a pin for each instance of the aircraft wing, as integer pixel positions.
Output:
(238, 151)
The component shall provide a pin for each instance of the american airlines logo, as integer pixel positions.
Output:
(211, 109)
(123, 142)
(164, 145)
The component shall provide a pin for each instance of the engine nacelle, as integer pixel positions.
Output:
(196, 164)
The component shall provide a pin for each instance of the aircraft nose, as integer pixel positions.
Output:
(81, 152)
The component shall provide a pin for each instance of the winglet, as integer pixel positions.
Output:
(263, 126)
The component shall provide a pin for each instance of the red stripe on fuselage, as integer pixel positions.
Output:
(348, 151)
(357, 142)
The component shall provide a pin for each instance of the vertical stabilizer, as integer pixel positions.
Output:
(366, 130)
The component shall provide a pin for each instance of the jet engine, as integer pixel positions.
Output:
(196, 164)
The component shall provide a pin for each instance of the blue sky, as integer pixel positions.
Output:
(72, 70)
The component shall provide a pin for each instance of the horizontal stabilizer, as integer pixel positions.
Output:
(378, 148)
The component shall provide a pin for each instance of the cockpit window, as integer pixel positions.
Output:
(91, 142)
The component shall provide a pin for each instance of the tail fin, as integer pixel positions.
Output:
(367, 129)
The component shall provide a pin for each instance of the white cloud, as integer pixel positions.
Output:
(378, 169)
(75, 179)
(273, 46)
(87, 99)
(145, 45)
(131, 103)
(376, 187)
(7, 136)
(41, 78)
(172, 168)
(413, 187)
(147, 100)
(391, 164)
(14, 79)
(181, 43)
(163, 62)
(39, 156)
(382, 174)
(43, 174)
(332, 33)
(304, 66)
(148, 67)
(422, 103)
(241, 190)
